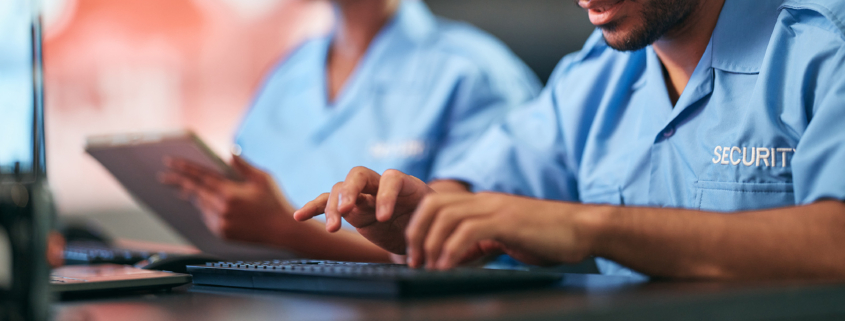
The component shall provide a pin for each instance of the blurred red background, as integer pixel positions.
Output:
(117, 66)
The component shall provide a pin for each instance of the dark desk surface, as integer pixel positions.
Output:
(579, 296)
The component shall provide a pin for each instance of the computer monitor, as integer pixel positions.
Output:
(21, 90)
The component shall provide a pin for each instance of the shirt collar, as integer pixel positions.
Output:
(742, 34)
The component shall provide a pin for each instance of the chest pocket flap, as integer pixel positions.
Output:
(734, 196)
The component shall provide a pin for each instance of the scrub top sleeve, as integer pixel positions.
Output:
(478, 101)
(520, 155)
(819, 161)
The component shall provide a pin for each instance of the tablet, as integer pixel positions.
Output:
(135, 160)
(138, 148)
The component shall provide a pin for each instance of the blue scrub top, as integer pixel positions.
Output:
(761, 123)
(426, 89)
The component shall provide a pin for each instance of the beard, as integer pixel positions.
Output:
(658, 18)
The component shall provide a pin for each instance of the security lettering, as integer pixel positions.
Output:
(751, 156)
(402, 149)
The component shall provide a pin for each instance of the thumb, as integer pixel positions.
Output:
(245, 169)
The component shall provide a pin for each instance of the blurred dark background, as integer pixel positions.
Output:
(540, 32)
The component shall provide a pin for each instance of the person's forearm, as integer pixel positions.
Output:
(795, 242)
(311, 241)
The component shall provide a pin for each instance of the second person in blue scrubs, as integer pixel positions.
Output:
(392, 87)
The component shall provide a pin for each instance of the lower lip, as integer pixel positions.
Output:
(606, 15)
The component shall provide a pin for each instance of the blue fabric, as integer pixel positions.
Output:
(425, 90)
(759, 125)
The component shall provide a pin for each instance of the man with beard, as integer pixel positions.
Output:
(688, 139)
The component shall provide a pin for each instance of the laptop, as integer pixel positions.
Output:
(22, 146)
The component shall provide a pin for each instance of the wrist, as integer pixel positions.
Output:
(449, 186)
(594, 225)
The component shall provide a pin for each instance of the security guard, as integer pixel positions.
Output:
(422, 90)
(673, 114)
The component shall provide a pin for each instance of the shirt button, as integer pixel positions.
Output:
(668, 132)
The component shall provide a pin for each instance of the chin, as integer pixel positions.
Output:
(626, 36)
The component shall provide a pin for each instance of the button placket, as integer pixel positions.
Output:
(669, 131)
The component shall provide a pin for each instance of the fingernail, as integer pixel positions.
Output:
(381, 212)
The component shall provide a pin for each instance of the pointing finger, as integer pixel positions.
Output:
(312, 208)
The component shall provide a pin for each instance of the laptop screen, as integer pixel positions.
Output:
(21, 99)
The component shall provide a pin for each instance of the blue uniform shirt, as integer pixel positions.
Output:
(761, 123)
(425, 90)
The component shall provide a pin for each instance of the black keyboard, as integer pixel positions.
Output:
(97, 253)
(375, 279)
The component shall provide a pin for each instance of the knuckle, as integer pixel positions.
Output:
(472, 227)
(424, 203)
(498, 202)
(428, 201)
(466, 230)
(358, 171)
(392, 173)
(448, 213)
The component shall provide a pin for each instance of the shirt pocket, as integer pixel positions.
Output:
(606, 196)
(734, 196)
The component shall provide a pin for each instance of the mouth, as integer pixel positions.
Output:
(601, 12)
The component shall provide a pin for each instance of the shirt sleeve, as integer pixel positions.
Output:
(520, 155)
(479, 99)
(819, 162)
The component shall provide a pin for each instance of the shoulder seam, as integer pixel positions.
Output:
(822, 10)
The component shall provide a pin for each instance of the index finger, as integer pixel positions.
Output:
(312, 208)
